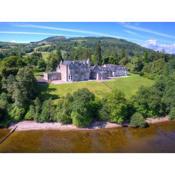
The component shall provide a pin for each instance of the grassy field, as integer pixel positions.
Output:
(128, 85)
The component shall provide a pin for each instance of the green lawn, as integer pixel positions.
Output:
(128, 85)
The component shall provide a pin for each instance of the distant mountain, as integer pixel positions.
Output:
(107, 43)
(51, 39)
(77, 47)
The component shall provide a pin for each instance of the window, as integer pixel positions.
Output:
(70, 77)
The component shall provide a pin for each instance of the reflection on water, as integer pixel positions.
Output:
(156, 138)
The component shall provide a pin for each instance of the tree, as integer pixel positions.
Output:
(115, 106)
(98, 54)
(34, 58)
(34, 110)
(82, 107)
(156, 100)
(21, 90)
(59, 55)
(52, 62)
(141, 102)
(137, 120)
(3, 106)
(16, 112)
(79, 120)
(31, 113)
(9, 66)
(37, 107)
(137, 64)
(26, 87)
(103, 113)
(48, 111)
(41, 65)
(172, 113)
(64, 109)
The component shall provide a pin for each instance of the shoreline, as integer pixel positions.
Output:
(33, 126)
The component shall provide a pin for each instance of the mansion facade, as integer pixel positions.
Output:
(82, 71)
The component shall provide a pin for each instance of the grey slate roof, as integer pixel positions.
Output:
(68, 62)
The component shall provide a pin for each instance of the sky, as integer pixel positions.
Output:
(155, 35)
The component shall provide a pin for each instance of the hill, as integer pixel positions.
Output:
(107, 43)
(78, 46)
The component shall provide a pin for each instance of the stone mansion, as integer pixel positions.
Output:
(82, 71)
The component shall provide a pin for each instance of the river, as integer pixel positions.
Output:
(158, 138)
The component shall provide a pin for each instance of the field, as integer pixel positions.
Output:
(128, 85)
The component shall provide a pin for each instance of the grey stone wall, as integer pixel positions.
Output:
(78, 72)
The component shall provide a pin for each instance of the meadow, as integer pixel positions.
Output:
(128, 85)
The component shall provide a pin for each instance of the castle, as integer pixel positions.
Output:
(82, 71)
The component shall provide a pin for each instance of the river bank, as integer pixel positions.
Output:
(32, 125)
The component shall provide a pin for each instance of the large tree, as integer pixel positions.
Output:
(115, 107)
(98, 53)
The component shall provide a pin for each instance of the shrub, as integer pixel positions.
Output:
(79, 120)
(63, 110)
(63, 118)
(172, 114)
(31, 113)
(115, 107)
(137, 120)
(83, 105)
(103, 113)
(47, 112)
(17, 113)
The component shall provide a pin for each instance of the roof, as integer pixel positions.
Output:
(98, 68)
(114, 67)
(68, 62)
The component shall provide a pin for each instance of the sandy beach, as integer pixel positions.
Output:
(157, 120)
(32, 125)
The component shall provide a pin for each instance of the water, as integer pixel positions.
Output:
(158, 138)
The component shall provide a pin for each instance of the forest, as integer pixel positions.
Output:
(22, 98)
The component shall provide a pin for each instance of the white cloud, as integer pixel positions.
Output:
(151, 42)
(13, 41)
(155, 45)
(87, 32)
(141, 29)
(131, 32)
(67, 30)
(36, 33)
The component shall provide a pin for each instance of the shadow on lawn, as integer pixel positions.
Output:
(45, 92)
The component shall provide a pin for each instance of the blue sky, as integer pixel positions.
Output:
(158, 36)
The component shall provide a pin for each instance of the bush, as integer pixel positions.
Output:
(31, 113)
(17, 113)
(63, 110)
(137, 120)
(79, 120)
(172, 114)
(83, 105)
(48, 111)
(63, 118)
(103, 113)
(114, 108)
